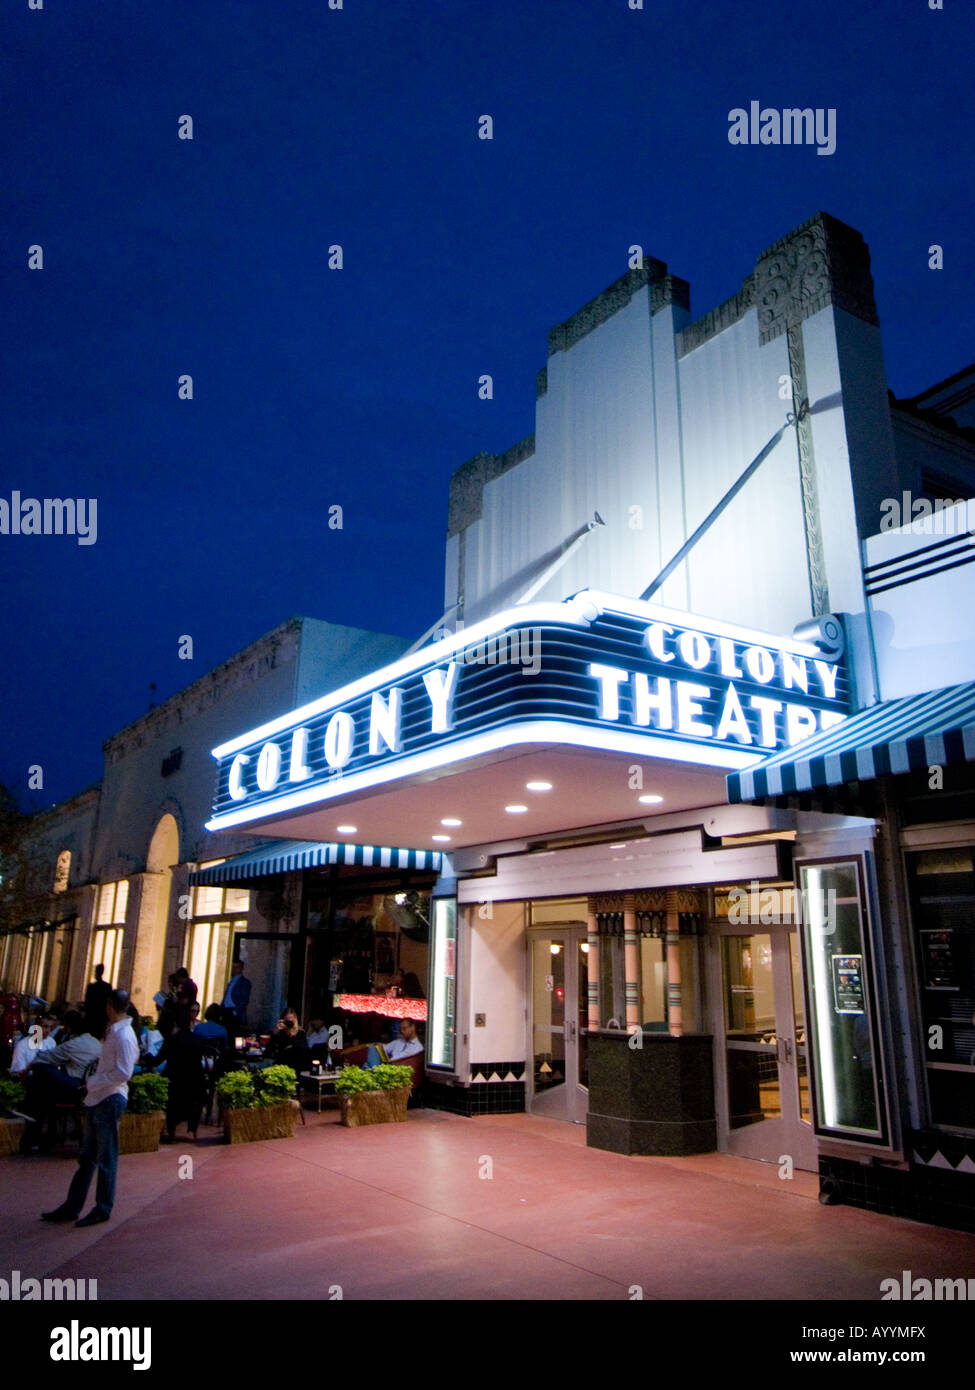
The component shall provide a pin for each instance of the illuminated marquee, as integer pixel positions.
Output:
(607, 673)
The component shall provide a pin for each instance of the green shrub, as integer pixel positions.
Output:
(148, 1093)
(274, 1084)
(235, 1091)
(11, 1096)
(385, 1077)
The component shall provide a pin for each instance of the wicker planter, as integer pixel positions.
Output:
(266, 1122)
(139, 1134)
(375, 1107)
(11, 1132)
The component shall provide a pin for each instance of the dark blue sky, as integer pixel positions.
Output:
(358, 387)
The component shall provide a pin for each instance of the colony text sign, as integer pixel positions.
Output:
(597, 671)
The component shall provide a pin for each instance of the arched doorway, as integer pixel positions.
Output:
(154, 912)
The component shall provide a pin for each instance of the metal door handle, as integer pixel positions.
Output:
(784, 1050)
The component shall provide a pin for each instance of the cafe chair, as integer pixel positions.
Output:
(71, 1112)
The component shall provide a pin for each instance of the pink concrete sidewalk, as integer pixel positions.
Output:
(402, 1212)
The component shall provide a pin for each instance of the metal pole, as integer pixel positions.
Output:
(716, 511)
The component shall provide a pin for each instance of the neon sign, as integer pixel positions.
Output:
(608, 673)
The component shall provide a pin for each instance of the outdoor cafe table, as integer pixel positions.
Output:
(321, 1079)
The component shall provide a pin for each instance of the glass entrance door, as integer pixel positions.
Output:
(558, 1012)
(762, 1076)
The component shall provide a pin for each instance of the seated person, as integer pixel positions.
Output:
(57, 1075)
(288, 1046)
(150, 1040)
(27, 1047)
(318, 1040)
(212, 1030)
(406, 1045)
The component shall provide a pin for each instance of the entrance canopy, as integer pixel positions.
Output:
(280, 857)
(546, 717)
(898, 736)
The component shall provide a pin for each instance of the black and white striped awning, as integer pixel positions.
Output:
(898, 736)
(280, 856)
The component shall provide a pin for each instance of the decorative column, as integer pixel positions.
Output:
(675, 1017)
(86, 898)
(631, 962)
(592, 924)
(822, 262)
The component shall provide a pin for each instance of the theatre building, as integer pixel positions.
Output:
(687, 573)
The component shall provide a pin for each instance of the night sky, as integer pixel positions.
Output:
(315, 387)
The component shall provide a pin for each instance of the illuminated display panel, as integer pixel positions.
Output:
(593, 672)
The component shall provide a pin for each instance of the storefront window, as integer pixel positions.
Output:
(209, 957)
(112, 901)
(209, 948)
(40, 951)
(942, 885)
(106, 949)
(847, 1067)
(612, 971)
(443, 984)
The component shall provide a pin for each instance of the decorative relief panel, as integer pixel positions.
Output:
(822, 262)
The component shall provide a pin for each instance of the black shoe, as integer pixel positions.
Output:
(59, 1214)
(94, 1218)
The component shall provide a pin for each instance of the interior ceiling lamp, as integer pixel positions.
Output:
(404, 910)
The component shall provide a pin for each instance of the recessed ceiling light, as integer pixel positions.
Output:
(622, 846)
(651, 800)
(451, 820)
(538, 786)
(443, 839)
(515, 810)
(346, 829)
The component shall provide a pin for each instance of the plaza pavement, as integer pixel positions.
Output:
(401, 1212)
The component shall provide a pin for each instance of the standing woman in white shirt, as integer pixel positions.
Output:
(105, 1102)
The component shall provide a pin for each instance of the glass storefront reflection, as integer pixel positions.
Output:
(750, 1041)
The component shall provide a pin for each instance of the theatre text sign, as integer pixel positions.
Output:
(597, 671)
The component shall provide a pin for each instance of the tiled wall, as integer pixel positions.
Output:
(938, 1188)
(496, 1088)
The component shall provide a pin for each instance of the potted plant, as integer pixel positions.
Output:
(11, 1128)
(141, 1124)
(258, 1105)
(374, 1095)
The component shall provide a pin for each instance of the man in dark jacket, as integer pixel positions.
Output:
(96, 997)
(236, 999)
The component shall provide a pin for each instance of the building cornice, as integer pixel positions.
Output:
(237, 672)
(819, 263)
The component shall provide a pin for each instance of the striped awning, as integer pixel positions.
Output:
(898, 736)
(281, 855)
